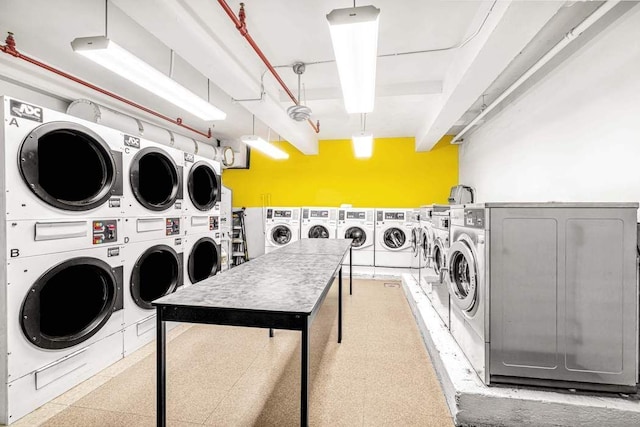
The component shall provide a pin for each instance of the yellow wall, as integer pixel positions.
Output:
(395, 176)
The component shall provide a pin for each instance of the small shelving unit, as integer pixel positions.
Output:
(239, 250)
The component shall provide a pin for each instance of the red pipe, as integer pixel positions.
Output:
(241, 25)
(10, 48)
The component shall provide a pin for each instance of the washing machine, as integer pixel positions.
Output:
(282, 226)
(546, 294)
(154, 268)
(319, 223)
(58, 166)
(154, 179)
(427, 242)
(393, 238)
(358, 224)
(202, 250)
(437, 285)
(416, 244)
(62, 309)
(202, 187)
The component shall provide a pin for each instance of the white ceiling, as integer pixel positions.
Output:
(420, 95)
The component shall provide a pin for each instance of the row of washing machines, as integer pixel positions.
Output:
(542, 294)
(381, 237)
(97, 225)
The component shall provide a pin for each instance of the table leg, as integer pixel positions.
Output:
(340, 306)
(161, 367)
(304, 376)
(270, 332)
(350, 270)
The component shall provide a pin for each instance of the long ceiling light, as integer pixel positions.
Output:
(354, 33)
(363, 144)
(120, 61)
(260, 144)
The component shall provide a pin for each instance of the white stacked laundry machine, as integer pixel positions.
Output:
(62, 306)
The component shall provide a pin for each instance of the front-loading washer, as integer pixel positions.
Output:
(437, 285)
(154, 178)
(63, 320)
(319, 223)
(58, 166)
(358, 225)
(202, 249)
(202, 188)
(154, 268)
(393, 238)
(416, 244)
(282, 227)
(427, 242)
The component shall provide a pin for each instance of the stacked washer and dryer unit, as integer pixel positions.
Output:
(94, 231)
(64, 254)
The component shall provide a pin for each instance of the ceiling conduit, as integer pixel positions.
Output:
(241, 25)
(568, 38)
(10, 49)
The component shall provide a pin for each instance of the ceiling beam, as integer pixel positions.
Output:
(222, 56)
(508, 29)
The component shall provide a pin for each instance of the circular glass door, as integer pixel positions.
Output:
(438, 258)
(415, 240)
(318, 232)
(154, 179)
(204, 260)
(157, 272)
(203, 186)
(426, 248)
(69, 303)
(68, 166)
(281, 235)
(462, 276)
(358, 236)
(394, 238)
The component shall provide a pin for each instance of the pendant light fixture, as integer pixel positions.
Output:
(363, 140)
(354, 34)
(254, 141)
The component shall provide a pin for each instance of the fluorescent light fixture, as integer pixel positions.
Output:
(363, 144)
(263, 146)
(114, 58)
(354, 33)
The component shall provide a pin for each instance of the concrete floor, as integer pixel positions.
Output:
(226, 376)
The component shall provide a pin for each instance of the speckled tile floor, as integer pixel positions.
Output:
(225, 376)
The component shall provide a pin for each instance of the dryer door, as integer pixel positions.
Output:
(203, 186)
(318, 232)
(280, 235)
(70, 302)
(156, 180)
(394, 238)
(69, 166)
(358, 235)
(463, 276)
(157, 272)
(204, 259)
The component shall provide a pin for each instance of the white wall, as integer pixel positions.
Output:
(13, 90)
(574, 136)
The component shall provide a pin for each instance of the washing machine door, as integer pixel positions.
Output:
(463, 275)
(204, 259)
(438, 256)
(156, 273)
(156, 180)
(70, 302)
(357, 234)
(415, 241)
(203, 185)
(280, 235)
(427, 247)
(394, 238)
(69, 166)
(318, 232)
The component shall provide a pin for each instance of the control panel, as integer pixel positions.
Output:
(214, 223)
(172, 226)
(474, 218)
(105, 231)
